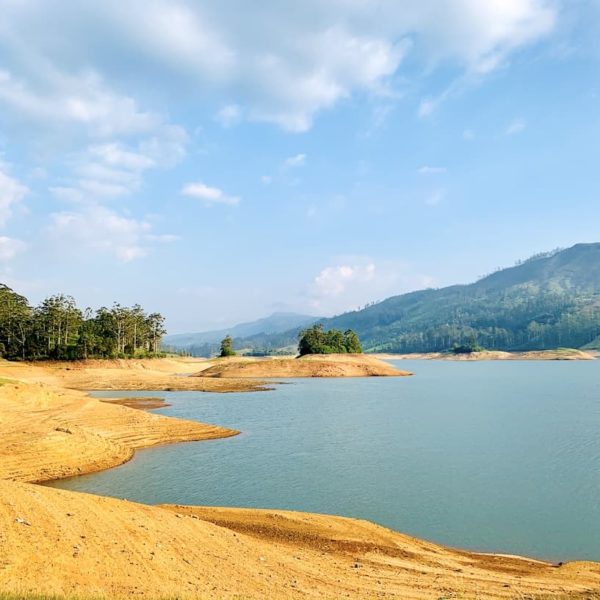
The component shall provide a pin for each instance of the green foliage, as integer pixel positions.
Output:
(227, 347)
(57, 329)
(315, 340)
(548, 301)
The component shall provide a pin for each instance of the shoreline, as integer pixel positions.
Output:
(62, 542)
(562, 354)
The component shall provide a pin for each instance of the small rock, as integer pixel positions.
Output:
(22, 521)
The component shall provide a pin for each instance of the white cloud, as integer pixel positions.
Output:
(54, 100)
(427, 170)
(10, 247)
(359, 280)
(266, 179)
(229, 115)
(210, 195)
(104, 231)
(280, 67)
(112, 169)
(334, 281)
(515, 126)
(468, 135)
(11, 193)
(435, 197)
(299, 160)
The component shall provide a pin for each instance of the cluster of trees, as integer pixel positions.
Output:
(58, 329)
(227, 347)
(315, 340)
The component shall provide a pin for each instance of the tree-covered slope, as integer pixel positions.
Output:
(547, 301)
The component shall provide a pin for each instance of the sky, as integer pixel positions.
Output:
(218, 161)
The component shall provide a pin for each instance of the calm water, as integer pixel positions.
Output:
(494, 456)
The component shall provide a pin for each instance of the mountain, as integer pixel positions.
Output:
(547, 301)
(205, 343)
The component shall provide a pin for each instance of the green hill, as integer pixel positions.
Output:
(548, 301)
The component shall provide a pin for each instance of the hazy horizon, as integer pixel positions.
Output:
(218, 163)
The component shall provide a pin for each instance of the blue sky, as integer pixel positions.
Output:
(218, 161)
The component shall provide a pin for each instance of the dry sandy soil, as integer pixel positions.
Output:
(331, 365)
(59, 542)
(561, 354)
(49, 433)
(152, 374)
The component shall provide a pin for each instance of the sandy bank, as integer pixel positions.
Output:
(58, 542)
(330, 365)
(150, 374)
(63, 542)
(560, 354)
(49, 433)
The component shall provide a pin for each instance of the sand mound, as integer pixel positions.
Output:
(330, 365)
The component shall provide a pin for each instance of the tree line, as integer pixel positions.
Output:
(58, 329)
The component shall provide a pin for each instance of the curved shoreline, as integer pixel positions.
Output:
(61, 542)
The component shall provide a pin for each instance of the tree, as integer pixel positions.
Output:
(315, 340)
(57, 329)
(227, 347)
(352, 343)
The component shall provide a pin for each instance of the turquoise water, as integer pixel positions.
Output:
(492, 456)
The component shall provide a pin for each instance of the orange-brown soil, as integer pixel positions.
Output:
(170, 374)
(59, 542)
(329, 365)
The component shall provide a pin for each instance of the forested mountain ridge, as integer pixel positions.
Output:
(550, 300)
(547, 301)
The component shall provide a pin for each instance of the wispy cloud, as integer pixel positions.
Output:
(104, 231)
(516, 126)
(427, 170)
(435, 197)
(353, 282)
(299, 160)
(10, 247)
(11, 193)
(209, 195)
(229, 115)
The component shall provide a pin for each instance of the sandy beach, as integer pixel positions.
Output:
(66, 543)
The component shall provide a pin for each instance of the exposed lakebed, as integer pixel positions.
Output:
(491, 456)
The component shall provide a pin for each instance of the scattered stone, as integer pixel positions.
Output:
(22, 521)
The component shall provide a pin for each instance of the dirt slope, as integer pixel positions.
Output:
(54, 541)
(331, 365)
(49, 433)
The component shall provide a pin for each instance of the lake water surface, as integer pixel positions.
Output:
(492, 456)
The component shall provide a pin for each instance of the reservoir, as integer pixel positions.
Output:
(491, 456)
